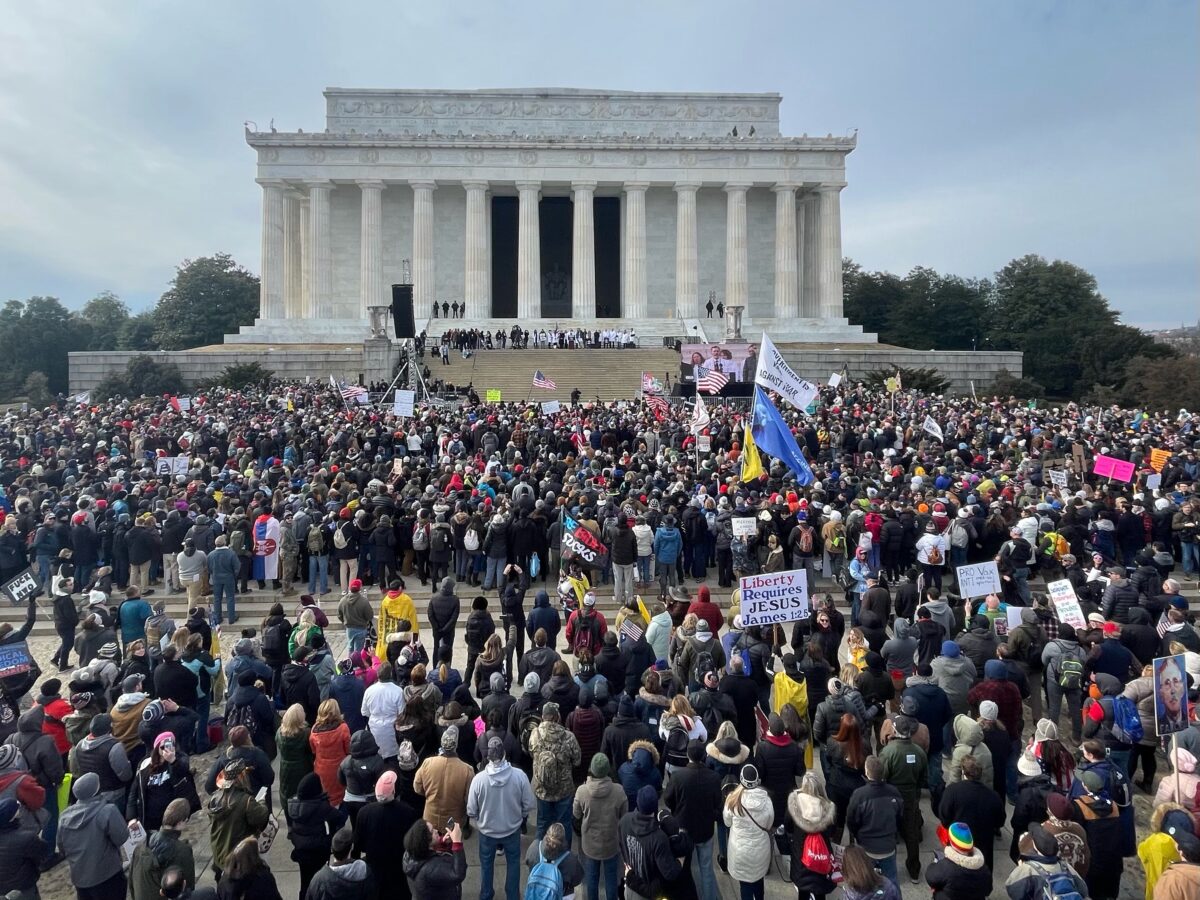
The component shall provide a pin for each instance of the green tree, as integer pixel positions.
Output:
(143, 377)
(209, 297)
(243, 375)
(137, 333)
(868, 298)
(37, 391)
(36, 335)
(1162, 383)
(103, 318)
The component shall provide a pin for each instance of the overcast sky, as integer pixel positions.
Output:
(987, 130)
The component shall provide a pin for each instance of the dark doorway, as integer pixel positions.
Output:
(505, 211)
(607, 222)
(555, 228)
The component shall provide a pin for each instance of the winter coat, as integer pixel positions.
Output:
(91, 833)
(444, 782)
(646, 851)
(295, 761)
(555, 753)
(813, 815)
(749, 854)
(260, 885)
(978, 643)
(874, 816)
(640, 770)
(163, 850)
(1178, 882)
(443, 610)
(348, 691)
(780, 761)
(598, 807)
(38, 748)
(829, 714)
(954, 675)
(959, 876)
(352, 880)
(152, 792)
(667, 545)
(544, 617)
(439, 877)
(968, 738)
(933, 708)
(298, 685)
(1185, 778)
(908, 777)
(359, 771)
(330, 747)
(658, 634)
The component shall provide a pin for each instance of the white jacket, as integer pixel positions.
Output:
(645, 539)
(381, 703)
(749, 845)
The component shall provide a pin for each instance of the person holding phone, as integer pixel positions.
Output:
(434, 861)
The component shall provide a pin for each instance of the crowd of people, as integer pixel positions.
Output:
(467, 340)
(649, 751)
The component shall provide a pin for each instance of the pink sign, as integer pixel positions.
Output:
(1109, 467)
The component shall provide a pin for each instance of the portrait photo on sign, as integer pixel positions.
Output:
(737, 361)
(1170, 695)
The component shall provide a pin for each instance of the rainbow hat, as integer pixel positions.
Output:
(960, 837)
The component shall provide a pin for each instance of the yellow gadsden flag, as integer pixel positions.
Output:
(751, 462)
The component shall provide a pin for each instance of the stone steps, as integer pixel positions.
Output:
(608, 374)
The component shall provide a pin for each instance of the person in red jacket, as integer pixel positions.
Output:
(17, 783)
(56, 710)
(705, 609)
(586, 627)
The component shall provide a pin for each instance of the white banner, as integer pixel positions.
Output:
(744, 526)
(700, 416)
(549, 407)
(166, 466)
(1058, 478)
(774, 599)
(978, 580)
(776, 375)
(835, 379)
(403, 402)
(933, 428)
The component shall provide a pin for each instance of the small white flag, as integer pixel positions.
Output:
(700, 416)
(933, 428)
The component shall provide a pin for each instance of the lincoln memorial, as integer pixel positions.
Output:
(554, 205)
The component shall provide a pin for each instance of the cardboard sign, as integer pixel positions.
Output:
(1013, 617)
(19, 589)
(744, 526)
(704, 443)
(1153, 482)
(397, 466)
(1158, 458)
(491, 395)
(580, 544)
(1079, 457)
(978, 580)
(550, 407)
(403, 402)
(15, 659)
(1170, 695)
(835, 379)
(1110, 467)
(1066, 604)
(776, 598)
(167, 466)
(1058, 478)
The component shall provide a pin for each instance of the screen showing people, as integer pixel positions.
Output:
(737, 361)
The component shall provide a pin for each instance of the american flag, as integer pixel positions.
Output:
(657, 403)
(541, 381)
(348, 391)
(712, 381)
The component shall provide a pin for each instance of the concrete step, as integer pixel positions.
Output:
(608, 374)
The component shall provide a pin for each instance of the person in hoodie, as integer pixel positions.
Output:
(899, 653)
(103, 755)
(843, 698)
(625, 729)
(961, 874)
(1101, 821)
(375, 833)
(348, 690)
(668, 544)
(359, 772)
(598, 808)
(540, 660)
(545, 618)
(162, 778)
(312, 822)
(968, 742)
(233, 813)
(343, 877)
(690, 663)
(939, 610)
(978, 643)
(954, 674)
(1039, 858)
(480, 627)
(650, 862)
(1098, 719)
(780, 761)
(640, 770)
(935, 713)
(443, 612)
(636, 656)
(1183, 784)
(499, 800)
(249, 706)
(91, 833)
(355, 612)
(930, 636)
(298, 685)
(813, 814)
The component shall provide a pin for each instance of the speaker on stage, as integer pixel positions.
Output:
(402, 311)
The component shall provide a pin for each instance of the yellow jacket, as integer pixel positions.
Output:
(785, 690)
(392, 609)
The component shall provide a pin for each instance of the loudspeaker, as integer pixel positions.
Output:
(402, 311)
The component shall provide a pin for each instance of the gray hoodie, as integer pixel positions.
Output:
(939, 611)
(899, 653)
(954, 675)
(499, 799)
(91, 833)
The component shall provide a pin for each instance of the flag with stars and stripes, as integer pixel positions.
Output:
(541, 381)
(657, 403)
(348, 391)
(712, 381)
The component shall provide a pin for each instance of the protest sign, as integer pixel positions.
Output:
(1013, 617)
(704, 443)
(21, 587)
(580, 544)
(744, 526)
(1062, 595)
(1158, 458)
(397, 466)
(166, 466)
(403, 402)
(15, 659)
(1058, 478)
(1111, 467)
(1153, 482)
(776, 375)
(774, 599)
(1170, 695)
(492, 395)
(933, 428)
(550, 407)
(1079, 457)
(978, 580)
(835, 379)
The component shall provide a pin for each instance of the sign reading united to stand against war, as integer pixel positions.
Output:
(580, 544)
(775, 599)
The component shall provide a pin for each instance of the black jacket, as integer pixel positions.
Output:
(261, 886)
(646, 850)
(353, 880)
(442, 613)
(611, 664)
(1119, 599)
(959, 876)
(779, 765)
(361, 769)
(20, 850)
(874, 816)
(618, 736)
(439, 877)
(745, 698)
(298, 685)
(312, 822)
(376, 829)
(174, 681)
(639, 656)
(694, 796)
(975, 804)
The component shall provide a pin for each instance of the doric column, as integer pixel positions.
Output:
(292, 259)
(320, 253)
(634, 305)
(583, 251)
(475, 270)
(737, 271)
(422, 252)
(306, 310)
(829, 273)
(270, 286)
(787, 289)
(810, 307)
(687, 253)
(370, 285)
(529, 252)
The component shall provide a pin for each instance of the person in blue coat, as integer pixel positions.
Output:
(347, 689)
(543, 616)
(667, 545)
(640, 770)
(132, 615)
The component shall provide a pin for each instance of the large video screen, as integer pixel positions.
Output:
(738, 361)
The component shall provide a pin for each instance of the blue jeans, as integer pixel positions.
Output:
(702, 861)
(935, 771)
(512, 865)
(493, 572)
(203, 705)
(318, 565)
(224, 590)
(1191, 557)
(356, 638)
(43, 567)
(551, 811)
(591, 877)
(1021, 577)
(643, 565)
(887, 868)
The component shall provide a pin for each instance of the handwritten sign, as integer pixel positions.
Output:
(492, 395)
(1066, 604)
(933, 428)
(1111, 467)
(403, 402)
(1058, 478)
(580, 544)
(1153, 482)
(166, 466)
(774, 599)
(978, 580)
(1158, 458)
(550, 407)
(21, 588)
(744, 526)
(704, 443)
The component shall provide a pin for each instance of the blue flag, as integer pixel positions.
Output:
(773, 437)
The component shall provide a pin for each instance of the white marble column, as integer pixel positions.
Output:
(810, 307)
(737, 270)
(529, 251)
(475, 267)
(787, 289)
(370, 285)
(634, 304)
(270, 286)
(306, 309)
(583, 251)
(320, 253)
(423, 273)
(687, 253)
(829, 240)
(292, 258)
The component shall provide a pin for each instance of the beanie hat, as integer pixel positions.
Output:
(385, 787)
(909, 705)
(163, 738)
(600, 766)
(626, 707)
(246, 678)
(1188, 844)
(406, 757)
(995, 669)
(1029, 766)
(152, 713)
(960, 837)
(1176, 822)
(101, 724)
(1092, 781)
(647, 801)
(108, 651)
(86, 786)
(1058, 805)
(532, 683)
(749, 776)
(51, 687)
(949, 648)
(989, 710)
(8, 756)
(450, 740)
(1043, 841)
(495, 750)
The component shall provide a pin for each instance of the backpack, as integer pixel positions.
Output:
(704, 663)
(471, 540)
(154, 626)
(587, 633)
(1070, 672)
(675, 749)
(747, 665)
(340, 541)
(525, 729)
(815, 855)
(274, 641)
(242, 715)
(1056, 885)
(420, 536)
(1058, 545)
(315, 541)
(237, 541)
(545, 879)
(805, 543)
(1127, 725)
(439, 540)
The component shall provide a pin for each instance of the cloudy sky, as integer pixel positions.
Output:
(986, 130)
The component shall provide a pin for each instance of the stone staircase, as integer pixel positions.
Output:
(607, 374)
(650, 332)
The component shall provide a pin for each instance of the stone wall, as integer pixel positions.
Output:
(961, 367)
